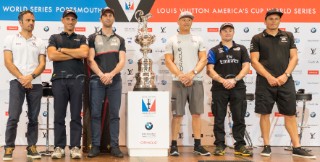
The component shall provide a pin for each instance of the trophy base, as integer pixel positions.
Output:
(144, 89)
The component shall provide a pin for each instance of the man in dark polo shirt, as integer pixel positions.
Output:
(106, 60)
(67, 51)
(274, 57)
(228, 63)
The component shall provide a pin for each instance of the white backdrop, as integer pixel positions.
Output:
(306, 76)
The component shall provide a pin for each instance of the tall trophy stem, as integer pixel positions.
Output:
(145, 78)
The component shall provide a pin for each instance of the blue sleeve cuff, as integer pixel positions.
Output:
(211, 57)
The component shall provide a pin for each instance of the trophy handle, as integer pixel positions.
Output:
(138, 15)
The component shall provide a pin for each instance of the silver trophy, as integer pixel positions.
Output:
(145, 76)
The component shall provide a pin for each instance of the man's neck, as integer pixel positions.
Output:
(229, 44)
(26, 34)
(272, 31)
(69, 32)
(184, 32)
(107, 31)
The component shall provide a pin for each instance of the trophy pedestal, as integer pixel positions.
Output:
(148, 123)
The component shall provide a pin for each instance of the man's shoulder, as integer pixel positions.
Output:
(117, 35)
(79, 35)
(93, 35)
(259, 35)
(215, 47)
(287, 33)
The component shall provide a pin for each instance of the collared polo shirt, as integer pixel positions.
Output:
(70, 68)
(25, 54)
(107, 51)
(185, 50)
(274, 51)
(228, 62)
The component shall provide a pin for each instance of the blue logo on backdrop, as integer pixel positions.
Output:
(51, 10)
(246, 30)
(163, 82)
(130, 61)
(46, 28)
(45, 114)
(148, 126)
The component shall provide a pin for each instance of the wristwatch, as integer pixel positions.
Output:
(195, 72)
(59, 49)
(288, 75)
(34, 76)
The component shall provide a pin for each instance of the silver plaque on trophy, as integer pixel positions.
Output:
(145, 78)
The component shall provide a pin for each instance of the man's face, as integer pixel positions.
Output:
(185, 24)
(226, 34)
(69, 22)
(27, 22)
(107, 19)
(272, 22)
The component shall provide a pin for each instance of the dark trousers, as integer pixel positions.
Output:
(16, 100)
(64, 91)
(98, 93)
(238, 108)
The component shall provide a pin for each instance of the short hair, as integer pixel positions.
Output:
(20, 16)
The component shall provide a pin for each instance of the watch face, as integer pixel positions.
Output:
(195, 72)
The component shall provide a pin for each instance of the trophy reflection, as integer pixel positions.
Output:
(145, 78)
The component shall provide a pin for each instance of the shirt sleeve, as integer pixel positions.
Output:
(8, 43)
(122, 45)
(292, 42)
(83, 40)
(42, 47)
(254, 46)
(211, 57)
(169, 47)
(52, 41)
(91, 39)
(244, 55)
(202, 47)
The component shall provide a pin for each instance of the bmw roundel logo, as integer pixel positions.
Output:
(246, 30)
(163, 82)
(46, 28)
(296, 40)
(313, 114)
(130, 61)
(313, 30)
(148, 126)
(247, 114)
(114, 29)
(45, 113)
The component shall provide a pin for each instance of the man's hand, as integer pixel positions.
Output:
(25, 80)
(282, 79)
(106, 78)
(273, 81)
(186, 79)
(229, 83)
(28, 86)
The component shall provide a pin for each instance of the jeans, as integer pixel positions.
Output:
(98, 93)
(64, 91)
(16, 100)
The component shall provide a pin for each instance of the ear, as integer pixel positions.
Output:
(20, 22)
